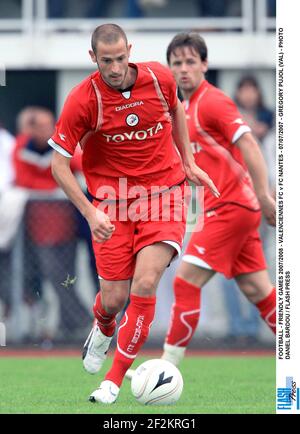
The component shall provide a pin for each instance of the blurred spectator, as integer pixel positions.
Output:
(32, 279)
(6, 180)
(50, 224)
(260, 118)
(25, 120)
(249, 100)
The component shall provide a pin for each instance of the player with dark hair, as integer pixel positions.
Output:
(126, 118)
(229, 241)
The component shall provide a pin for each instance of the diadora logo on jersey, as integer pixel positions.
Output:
(127, 106)
(201, 250)
(238, 121)
(132, 120)
(134, 135)
(63, 137)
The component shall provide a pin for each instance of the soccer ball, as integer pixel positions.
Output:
(157, 382)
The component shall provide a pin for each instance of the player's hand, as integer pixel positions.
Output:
(199, 177)
(100, 225)
(268, 208)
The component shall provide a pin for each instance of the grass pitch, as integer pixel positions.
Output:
(230, 384)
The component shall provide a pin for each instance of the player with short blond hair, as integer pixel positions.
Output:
(126, 118)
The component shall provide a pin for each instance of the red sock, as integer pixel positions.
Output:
(106, 321)
(267, 308)
(133, 332)
(185, 313)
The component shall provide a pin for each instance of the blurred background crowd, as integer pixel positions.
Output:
(48, 278)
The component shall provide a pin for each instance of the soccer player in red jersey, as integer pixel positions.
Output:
(126, 118)
(229, 242)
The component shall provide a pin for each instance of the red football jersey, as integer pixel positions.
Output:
(124, 134)
(215, 124)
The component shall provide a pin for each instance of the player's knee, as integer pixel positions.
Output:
(114, 304)
(144, 285)
(251, 291)
(193, 274)
(247, 288)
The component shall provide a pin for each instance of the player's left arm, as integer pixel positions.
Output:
(182, 141)
(258, 171)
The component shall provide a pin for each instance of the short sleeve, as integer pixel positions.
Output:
(221, 114)
(71, 126)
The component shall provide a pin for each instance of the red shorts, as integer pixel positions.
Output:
(152, 223)
(228, 243)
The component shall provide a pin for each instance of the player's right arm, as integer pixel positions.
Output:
(258, 171)
(100, 225)
(72, 125)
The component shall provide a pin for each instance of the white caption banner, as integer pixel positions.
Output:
(288, 227)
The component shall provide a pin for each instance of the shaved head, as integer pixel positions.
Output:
(108, 34)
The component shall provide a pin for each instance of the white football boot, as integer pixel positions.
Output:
(95, 350)
(107, 393)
